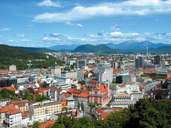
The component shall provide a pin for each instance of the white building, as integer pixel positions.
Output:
(105, 73)
(70, 75)
(126, 95)
(13, 119)
(56, 71)
(12, 68)
(42, 111)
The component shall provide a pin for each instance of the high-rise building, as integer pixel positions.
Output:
(157, 60)
(105, 73)
(81, 64)
(139, 62)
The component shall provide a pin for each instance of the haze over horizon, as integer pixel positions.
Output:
(44, 23)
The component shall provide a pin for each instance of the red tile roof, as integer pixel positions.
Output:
(104, 113)
(84, 94)
(11, 88)
(10, 109)
(102, 88)
(47, 124)
(72, 91)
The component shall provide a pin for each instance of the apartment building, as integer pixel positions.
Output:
(44, 110)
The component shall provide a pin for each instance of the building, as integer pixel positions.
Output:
(139, 62)
(126, 95)
(81, 64)
(105, 73)
(70, 75)
(12, 68)
(44, 110)
(100, 95)
(8, 81)
(156, 60)
(13, 119)
(11, 116)
(122, 78)
(56, 71)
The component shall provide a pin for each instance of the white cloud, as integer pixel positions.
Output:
(74, 24)
(55, 37)
(49, 3)
(4, 29)
(80, 25)
(129, 7)
(116, 34)
(108, 37)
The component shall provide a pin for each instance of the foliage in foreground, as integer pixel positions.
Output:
(147, 113)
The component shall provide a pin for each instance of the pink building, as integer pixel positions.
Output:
(100, 95)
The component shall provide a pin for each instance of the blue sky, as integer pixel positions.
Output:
(44, 23)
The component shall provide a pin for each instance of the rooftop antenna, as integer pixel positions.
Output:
(147, 50)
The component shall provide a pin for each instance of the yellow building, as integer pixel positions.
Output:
(45, 110)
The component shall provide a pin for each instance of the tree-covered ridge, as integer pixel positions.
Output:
(147, 113)
(21, 57)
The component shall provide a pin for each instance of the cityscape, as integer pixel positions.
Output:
(85, 64)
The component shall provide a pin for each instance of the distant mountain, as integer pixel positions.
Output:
(161, 49)
(138, 47)
(94, 49)
(64, 47)
(134, 45)
(126, 47)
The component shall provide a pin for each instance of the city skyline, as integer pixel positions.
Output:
(44, 23)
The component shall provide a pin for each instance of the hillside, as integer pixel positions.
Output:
(20, 57)
(94, 49)
(64, 47)
(140, 47)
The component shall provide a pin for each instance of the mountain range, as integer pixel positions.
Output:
(124, 47)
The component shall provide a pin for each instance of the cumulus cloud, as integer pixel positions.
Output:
(55, 37)
(129, 7)
(109, 37)
(49, 3)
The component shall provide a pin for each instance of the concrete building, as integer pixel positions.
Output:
(56, 71)
(12, 68)
(156, 60)
(105, 73)
(139, 62)
(44, 110)
(13, 119)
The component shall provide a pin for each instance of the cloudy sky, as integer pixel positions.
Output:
(44, 23)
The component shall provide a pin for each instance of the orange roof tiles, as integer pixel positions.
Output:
(102, 88)
(11, 88)
(47, 124)
(9, 109)
(84, 94)
(72, 90)
(19, 102)
(104, 113)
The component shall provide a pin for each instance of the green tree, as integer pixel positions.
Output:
(36, 125)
